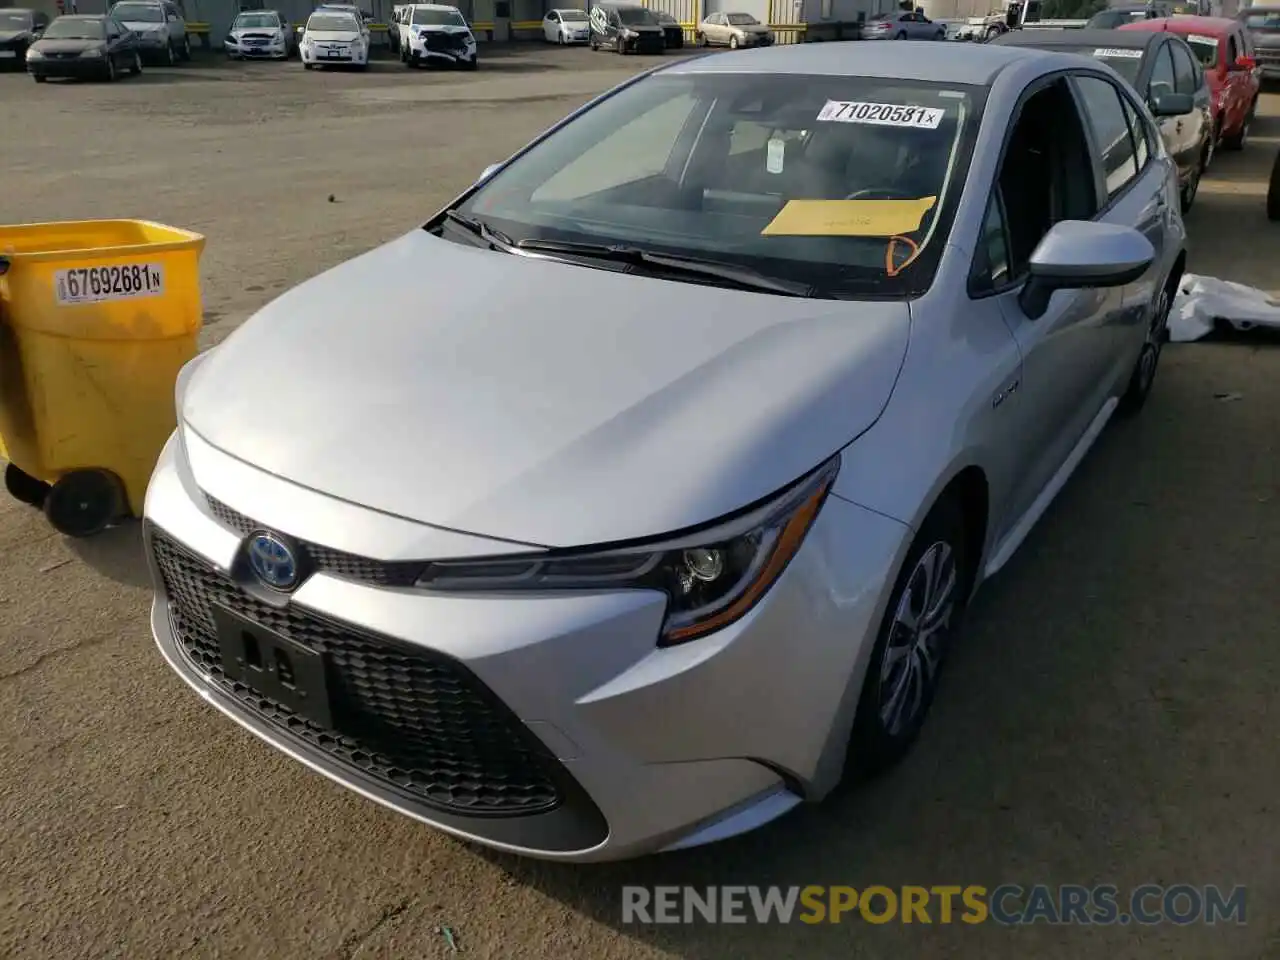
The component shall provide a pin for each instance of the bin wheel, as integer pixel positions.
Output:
(84, 502)
(25, 488)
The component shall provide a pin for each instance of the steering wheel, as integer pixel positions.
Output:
(881, 193)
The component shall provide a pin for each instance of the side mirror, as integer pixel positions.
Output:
(1172, 104)
(1245, 63)
(1081, 254)
(489, 171)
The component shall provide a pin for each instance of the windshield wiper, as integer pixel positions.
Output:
(494, 238)
(743, 277)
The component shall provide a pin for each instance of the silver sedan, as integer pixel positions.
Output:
(903, 25)
(664, 509)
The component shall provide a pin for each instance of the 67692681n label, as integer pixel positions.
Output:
(124, 281)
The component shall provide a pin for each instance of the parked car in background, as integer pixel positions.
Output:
(672, 31)
(737, 455)
(160, 26)
(260, 34)
(732, 29)
(84, 47)
(334, 38)
(1225, 53)
(626, 28)
(19, 28)
(566, 26)
(1262, 24)
(437, 34)
(1161, 69)
(1121, 14)
(903, 25)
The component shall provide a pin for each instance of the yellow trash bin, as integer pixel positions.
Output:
(96, 319)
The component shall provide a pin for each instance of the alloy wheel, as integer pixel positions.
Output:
(917, 637)
(1149, 361)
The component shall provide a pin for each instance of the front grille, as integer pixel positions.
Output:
(415, 721)
(443, 43)
(327, 560)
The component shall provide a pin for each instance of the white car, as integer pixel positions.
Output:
(566, 26)
(434, 33)
(259, 34)
(334, 38)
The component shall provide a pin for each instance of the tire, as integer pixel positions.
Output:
(472, 64)
(1273, 191)
(170, 57)
(620, 47)
(592, 44)
(307, 66)
(1237, 140)
(111, 70)
(1187, 196)
(699, 40)
(991, 34)
(25, 488)
(136, 69)
(733, 43)
(84, 503)
(186, 49)
(39, 79)
(1143, 377)
(907, 660)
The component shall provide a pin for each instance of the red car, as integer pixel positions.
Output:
(1226, 54)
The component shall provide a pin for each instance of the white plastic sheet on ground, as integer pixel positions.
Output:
(1202, 302)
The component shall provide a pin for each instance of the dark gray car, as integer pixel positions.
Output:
(1263, 24)
(19, 28)
(86, 47)
(1163, 70)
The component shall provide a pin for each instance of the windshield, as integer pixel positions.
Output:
(66, 28)
(742, 19)
(137, 13)
(635, 15)
(1110, 19)
(14, 21)
(260, 20)
(333, 23)
(845, 184)
(572, 16)
(1263, 20)
(1204, 47)
(438, 18)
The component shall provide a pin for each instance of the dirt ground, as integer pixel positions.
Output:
(1111, 716)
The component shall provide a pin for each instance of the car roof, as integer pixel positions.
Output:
(965, 63)
(1214, 25)
(82, 16)
(432, 6)
(1078, 38)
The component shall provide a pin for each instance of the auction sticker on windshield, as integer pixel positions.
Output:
(881, 114)
(124, 281)
(1114, 53)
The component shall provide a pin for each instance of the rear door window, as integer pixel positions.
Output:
(1112, 136)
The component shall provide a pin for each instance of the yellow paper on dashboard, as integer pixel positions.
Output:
(849, 218)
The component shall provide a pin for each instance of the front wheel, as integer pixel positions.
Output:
(1192, 186)
(1143, 377)
(921, 619)
(170, 56)
(699, 40)
(733, 43)
(136, 67)
(307, 66)
(111, 69)
(186, 48)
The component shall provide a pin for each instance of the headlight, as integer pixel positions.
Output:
(92, 53)
(34, 54)
(712, 577)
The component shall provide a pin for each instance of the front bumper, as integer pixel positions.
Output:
(275, 50)
(71, 68)
(335, 54)
(645, 43)
(443, 52)
(609, 746)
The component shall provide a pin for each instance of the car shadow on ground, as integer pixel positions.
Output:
(116, 553)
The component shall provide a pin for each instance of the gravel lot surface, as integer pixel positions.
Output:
(1111, 716)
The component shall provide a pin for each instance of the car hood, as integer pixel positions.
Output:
(265, 32)
(542, 402)
(145, 26)
(751, 28)
(67, 46)
(333, 36)
(439, 28)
